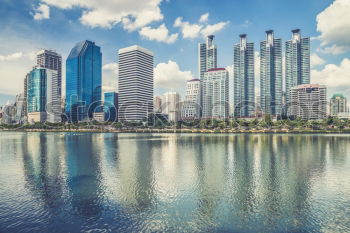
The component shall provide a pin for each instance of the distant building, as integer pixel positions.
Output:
(20, 104)
(171, 106)
(244, 80)
(135, 83)
(191, 106)
(271, 75)
(43, 102)
(338, 105)
(8, 113)
(297, 62)
(83, 81)
(110, 106)
(157, 103)
(309, 102)
(207, 56)
(215, 94)
(25, 92)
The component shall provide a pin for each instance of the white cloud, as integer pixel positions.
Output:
(204, 18)
(335, 77)
(191, 31)
(11, 57)
(334, 25)
(160, 34)
(316, 60)
(168, 75)
(132, 14)
(42, 12)
(334, 49)
(110, 77)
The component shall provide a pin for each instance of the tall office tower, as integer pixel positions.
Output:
(271, 75)
(51, 60)
(135, 83)
(83, 81)
(157, 103)
(20, 104)
(171, 106)
(244, 81)
(25, 96)
(215, 87)
(338, 104)
(297, 62)
(207, 56)
(191, 107)
(308, 101)
(43, 102)
(110, 106)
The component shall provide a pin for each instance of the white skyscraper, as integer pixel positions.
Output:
(171, 106)
(191, 107)
(135, 83)
(215, 94)
(207, 56)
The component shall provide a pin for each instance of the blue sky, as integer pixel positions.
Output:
(28, 25)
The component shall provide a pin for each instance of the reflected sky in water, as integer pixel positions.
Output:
(90, 182)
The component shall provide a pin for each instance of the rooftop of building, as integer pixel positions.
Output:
(338, 96)
(135, 47)
(309, 86)
(193, 80)
(216, 69)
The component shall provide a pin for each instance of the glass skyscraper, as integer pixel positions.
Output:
(207, 56)
(83, 81)
(244, 80)
(297, 62)
(110, 106)
(271, 75)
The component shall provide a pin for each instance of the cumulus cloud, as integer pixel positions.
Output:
(132, 14)
(316, 60)
(11, 57)
(42, 12)
(335, 77)
(191, 31)
(110, 77)
(169, 75)
(160, 34)
(334, 25)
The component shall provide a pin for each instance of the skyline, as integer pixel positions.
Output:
(177, 59)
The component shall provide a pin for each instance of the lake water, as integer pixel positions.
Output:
(91, 182)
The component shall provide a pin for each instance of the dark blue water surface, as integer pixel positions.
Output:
(89, 182)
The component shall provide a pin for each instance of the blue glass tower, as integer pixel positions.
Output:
(83, 81)
(111, 106)
(36, 92)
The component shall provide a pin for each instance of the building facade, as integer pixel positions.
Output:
(191, 106)
(135, 83)
(244, 80)
(110, 106)
(338, 105)
(271, 75)
(215, 94)
(308, 102)
(207, 56)
(172, 106)
(51, 60)
(83, 81)
(297, 62)
(157, 104)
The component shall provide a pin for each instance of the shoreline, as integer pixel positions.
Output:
(179, 131)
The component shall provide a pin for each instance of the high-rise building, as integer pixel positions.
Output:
(20, 104)
(135, 83)
(83, 81)
(244, 80)
(191, 107)
(338, 104)
(207, 56)
(157, 103)
(25, 92)
(110, 106)
(43, 102)
(51, 60)
(308, 102)
(271, 75)
(172, 106)
(297, 62)
(215, 88)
